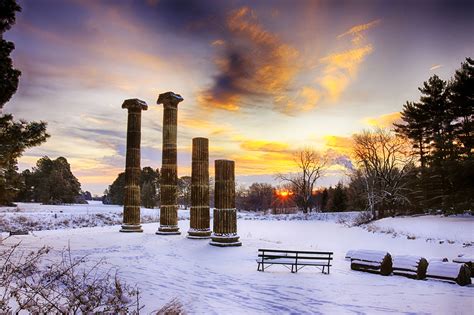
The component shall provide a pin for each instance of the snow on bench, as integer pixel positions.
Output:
(410, 266)
(371, 261)
(468, 260)
(459, 273)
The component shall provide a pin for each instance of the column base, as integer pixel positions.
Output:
(130, 228)
(168, 230)
(225, 240)
(199, 234)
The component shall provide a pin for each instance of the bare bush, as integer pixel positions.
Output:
(173, 307)
(31, 282)
(362, 218)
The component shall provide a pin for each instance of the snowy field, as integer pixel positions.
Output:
(212, 280)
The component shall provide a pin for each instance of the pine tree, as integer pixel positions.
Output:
(15, 137)
(339, 199)
(54, 182)
(324, 200)
(148, 195)
(415, 125)
(440, 131)
(461, 99)
(9, 76)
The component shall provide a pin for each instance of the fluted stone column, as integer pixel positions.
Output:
(199, 226)
(131, 204)
(225, 214)
(169, 175)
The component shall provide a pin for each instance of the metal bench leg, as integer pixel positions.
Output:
(258, 267)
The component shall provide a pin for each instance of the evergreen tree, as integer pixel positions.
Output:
(461, 99)
(9, 76)
(440, 131)
(115, 193)
(324, 200)
(184, 191)
(415, 126)
(15, 137)
(149, 194)
(52, 182)
(339, 199)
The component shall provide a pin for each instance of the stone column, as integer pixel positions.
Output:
(225, 214)
(169, 175)
(131, 204)
(199, 226)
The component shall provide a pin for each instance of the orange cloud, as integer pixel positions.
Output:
(208, 126)
(383, 121)
(265, 146)
(341, 68)
(255, 163)
(339, 144)
(252, 63)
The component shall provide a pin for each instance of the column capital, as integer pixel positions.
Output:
(135, 103)
(169, 99)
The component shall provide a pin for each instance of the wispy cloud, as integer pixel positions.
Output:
(357, 32)
(340, 68)
(434, 67)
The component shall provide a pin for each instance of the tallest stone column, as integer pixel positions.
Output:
(169, 174)
(131, 203)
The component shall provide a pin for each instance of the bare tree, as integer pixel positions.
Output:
(310, 166)
(384, 161)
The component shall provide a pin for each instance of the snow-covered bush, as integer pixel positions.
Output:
(33, 282)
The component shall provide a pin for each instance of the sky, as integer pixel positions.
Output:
(260, 79)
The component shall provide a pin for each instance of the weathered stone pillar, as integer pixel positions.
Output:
(225, 214)
(199, 226)
(169, 175)
(131, 203)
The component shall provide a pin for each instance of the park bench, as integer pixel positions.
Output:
(294, 259)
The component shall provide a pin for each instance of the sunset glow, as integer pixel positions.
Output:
(260, 79)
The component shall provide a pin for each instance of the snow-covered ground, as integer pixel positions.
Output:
(212, 280)
(437, 228)
(37, 217)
